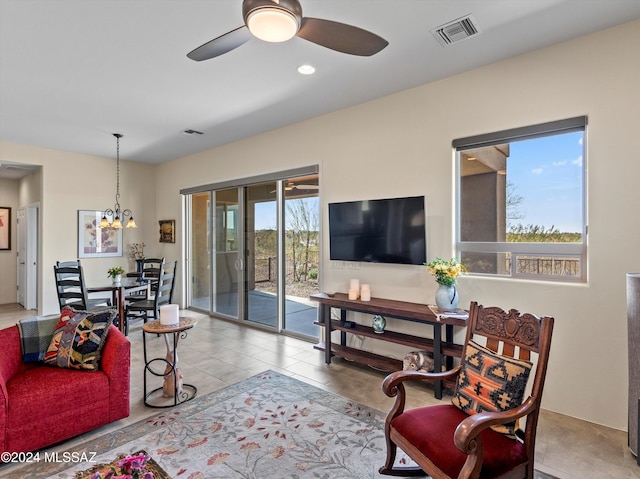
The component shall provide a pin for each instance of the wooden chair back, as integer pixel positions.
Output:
(515, 335)
(166, 285)
(70, 285)
(151, 268)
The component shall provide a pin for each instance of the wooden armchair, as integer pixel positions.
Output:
(460, 439)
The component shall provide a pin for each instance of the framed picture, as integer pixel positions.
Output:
(96, 242)
(167, 231)
(5, 228)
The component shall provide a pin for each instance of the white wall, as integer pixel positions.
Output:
(401, 145)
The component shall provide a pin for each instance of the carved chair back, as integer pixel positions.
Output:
(518, 336)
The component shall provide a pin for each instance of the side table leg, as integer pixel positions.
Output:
(449, 339)
(325, 311)
(172, 385)
(437, 358)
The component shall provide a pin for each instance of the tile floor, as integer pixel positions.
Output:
(219, 353)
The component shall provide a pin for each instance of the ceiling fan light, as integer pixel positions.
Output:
(272, 24)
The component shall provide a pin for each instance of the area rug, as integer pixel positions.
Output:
(267, 426)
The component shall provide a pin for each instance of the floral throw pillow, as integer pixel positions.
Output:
(78, 339)
(491, 382)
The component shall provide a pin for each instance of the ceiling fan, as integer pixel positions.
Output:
(280, 20)
(290, 185)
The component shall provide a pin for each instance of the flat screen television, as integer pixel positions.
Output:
(379, 231)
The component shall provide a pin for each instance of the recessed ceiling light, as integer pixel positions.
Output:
(306, 70)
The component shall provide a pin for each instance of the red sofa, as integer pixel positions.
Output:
(42, 405)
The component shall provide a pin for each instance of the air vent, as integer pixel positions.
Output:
(456, 31)
(189, 131)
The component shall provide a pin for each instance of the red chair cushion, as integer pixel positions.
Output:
(431, 429)
(48, 404)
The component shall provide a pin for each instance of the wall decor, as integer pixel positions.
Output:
(5, 228)
(167, 231)
(94, 241)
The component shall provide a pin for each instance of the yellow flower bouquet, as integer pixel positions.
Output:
(115, 271)
(446, 272)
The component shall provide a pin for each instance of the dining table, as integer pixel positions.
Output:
(119, 291)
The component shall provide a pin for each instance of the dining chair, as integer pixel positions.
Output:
(71, 288)
(150, 271)
(476, 435)
(150, 308)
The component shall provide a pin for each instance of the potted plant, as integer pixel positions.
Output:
(446, 273)
(115, 273)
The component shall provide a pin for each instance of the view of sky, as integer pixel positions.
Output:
(265, 215)
(547, 173)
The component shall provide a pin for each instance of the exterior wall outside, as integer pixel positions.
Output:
(400, 145)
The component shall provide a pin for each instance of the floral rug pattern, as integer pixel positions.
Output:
(268, 426)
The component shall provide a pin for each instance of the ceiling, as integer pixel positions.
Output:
(73, 72)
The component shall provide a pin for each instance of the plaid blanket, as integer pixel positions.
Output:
(35, 336)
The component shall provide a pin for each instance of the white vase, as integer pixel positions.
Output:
(447, 297)
(116, 279)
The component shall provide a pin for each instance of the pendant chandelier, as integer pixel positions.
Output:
(113, 218)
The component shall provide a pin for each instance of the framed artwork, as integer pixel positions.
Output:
(167, 231)
(96, 242)
(5, 228)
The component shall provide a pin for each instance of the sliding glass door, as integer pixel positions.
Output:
(227, 266)
(261, 254)
(200, 251)
(301, 254)
(254, 256)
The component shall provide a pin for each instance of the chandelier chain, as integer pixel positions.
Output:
(118, 172)
(117, 216)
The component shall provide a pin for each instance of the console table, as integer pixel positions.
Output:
(419, 313)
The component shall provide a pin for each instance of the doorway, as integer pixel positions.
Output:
(28, 235)
(253, 256)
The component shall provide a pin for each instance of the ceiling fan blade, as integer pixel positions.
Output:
(220, 45)
(341, 37)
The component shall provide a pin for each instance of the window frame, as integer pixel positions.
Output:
(519, 249)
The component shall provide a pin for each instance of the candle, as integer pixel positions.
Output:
(353, 294)
(169, 315)
(365, 293)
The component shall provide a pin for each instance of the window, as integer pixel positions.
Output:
(521, 202)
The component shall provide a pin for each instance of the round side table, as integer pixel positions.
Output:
(167, 367)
